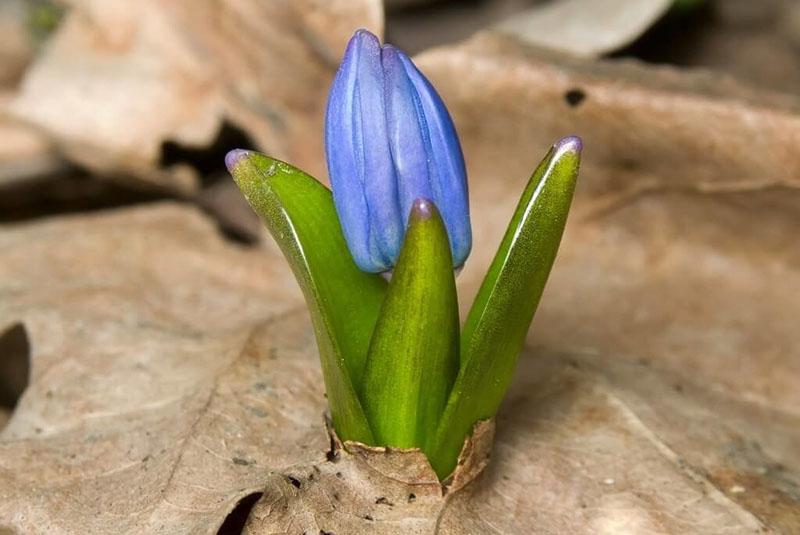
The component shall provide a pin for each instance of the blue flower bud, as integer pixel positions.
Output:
(389, 141)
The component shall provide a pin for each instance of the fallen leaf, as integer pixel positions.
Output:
(175, 375)
(366, 487)
(146, 411)
(25, 153)
(137, 76)
(415, 26)
(586, 28)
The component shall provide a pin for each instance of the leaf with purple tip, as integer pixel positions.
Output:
(413, 356)
(498, 321)
(343, 300)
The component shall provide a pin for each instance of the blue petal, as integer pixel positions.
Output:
(359, 160)
(408, 133)
(380, 182)
(448, 180)
(344, 166)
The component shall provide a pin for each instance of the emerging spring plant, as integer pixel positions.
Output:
(398, 370)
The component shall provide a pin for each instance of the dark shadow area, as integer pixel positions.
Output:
(222, 201)
(208, 161)
(71, 192)
(674, 39)
(14, 364)
(81, 193)
(754, 42)
(574, 97)
(237, 518)
(218, 196)
(74, 190)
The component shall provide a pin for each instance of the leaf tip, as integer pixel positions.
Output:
(235, 156)
(572, 144)
(423, 209)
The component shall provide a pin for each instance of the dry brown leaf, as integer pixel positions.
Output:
(586, 28)
(175, 374)
(146, 411)
(366, 488)
(120, 78)
(25, 152)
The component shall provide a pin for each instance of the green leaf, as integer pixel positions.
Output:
(413, 356)
(498, 321)
(343, 300)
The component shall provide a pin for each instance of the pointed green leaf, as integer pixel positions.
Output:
(343, 300)
(413, 356)
(498, 321)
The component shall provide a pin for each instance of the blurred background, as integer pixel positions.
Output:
(113, 103)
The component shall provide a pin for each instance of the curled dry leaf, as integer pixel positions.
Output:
(135, 75)
(587, 28)
(175, 375)
(366, 488)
